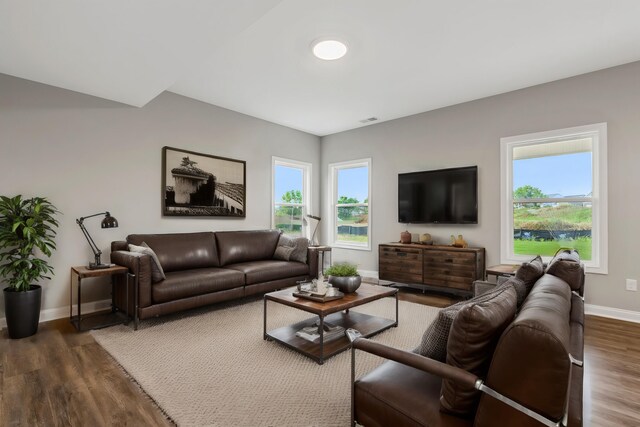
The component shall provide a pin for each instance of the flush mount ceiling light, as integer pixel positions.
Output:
(329, 49)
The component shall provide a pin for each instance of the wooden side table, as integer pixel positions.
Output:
(502, 270)
(101, 319)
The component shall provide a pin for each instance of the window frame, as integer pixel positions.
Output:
(599, 201)
(306, 190)
(334, 168)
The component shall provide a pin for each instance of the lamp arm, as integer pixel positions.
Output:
(97, 252)
(82, 218)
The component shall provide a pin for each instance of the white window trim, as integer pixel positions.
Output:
(599, 232)
(333, 206)
(306, 189)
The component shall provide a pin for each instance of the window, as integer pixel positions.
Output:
(350, 204)
(554, 195)
(291, 196)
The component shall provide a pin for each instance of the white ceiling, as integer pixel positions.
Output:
(254, 56)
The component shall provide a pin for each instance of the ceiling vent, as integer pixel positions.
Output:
(369, 120)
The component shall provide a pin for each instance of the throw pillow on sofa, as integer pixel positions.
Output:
(472, 340)
(300, 246)
(521, 290)
(530, 271)
(566, 266)
(434, 339)
(283, 253)
(157, 273)
(436, 336)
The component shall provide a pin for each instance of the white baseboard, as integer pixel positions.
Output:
(612, 313)
(62, 312)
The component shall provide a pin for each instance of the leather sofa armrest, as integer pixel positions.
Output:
(119, 245)
(140, 265)
(312, 261)
(417, 361)
(441, 370)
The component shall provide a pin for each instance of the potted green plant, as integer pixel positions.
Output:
(27, 231)
(344, 276)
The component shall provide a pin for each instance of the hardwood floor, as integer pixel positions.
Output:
(62, 377)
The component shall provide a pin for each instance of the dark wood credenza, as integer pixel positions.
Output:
(444, 268)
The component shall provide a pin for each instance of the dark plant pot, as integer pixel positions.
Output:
(22, 311)
(346, 284)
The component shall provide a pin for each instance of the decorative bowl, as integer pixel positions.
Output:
(346, 284)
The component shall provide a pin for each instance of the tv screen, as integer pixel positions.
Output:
(445, 196)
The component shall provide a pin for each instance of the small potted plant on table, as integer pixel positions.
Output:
(344, 276)
(26, 225)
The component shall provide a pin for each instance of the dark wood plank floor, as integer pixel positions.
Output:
(62, 377)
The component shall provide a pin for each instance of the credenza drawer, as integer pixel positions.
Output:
(402, 265)
(440, 266)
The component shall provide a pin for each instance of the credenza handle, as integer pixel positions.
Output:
(401, 253)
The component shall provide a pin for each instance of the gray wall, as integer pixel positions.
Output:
(89, 155)
(469, 134)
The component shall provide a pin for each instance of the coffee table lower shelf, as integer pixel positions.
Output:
(366, 324)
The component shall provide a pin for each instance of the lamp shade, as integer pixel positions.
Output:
(109, 221)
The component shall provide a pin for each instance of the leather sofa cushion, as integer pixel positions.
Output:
(398, 395)
(531, 362)
(267, 270)
(180, 251)
(472, 340)
(566, 265)
(243, 246)
(188, 283)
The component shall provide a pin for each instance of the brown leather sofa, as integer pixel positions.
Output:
(205, 268)
(535, 376)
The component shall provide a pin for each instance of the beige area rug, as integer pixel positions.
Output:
(211, 367)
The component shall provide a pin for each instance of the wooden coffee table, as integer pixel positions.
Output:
(336, 312)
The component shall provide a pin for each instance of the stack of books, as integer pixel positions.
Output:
(331, 332)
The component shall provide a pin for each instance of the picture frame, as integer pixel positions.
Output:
(202, 185)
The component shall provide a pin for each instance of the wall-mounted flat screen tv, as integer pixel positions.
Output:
(444, 196)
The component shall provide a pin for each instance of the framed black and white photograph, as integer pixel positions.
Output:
(197, 184)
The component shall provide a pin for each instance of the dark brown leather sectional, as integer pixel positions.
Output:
(536, 363)
(205, 268)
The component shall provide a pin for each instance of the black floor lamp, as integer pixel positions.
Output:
(107, 222)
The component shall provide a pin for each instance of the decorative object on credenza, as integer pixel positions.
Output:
(458, 242)
(25, 225)
(107, 222)
(344, 276)
(315, 229)
(196, 184)
(405, 237)
(426, 239)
